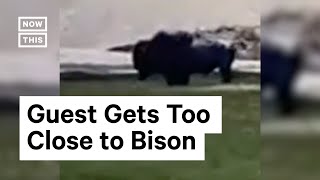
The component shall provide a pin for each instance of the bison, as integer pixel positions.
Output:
(176, 57)
(279, 69)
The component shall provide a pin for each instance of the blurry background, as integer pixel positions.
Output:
(28, 69)
(100, 23)
(25, 72)
(290, 142)
(89, 28)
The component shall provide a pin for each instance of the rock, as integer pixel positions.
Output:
(248, 36)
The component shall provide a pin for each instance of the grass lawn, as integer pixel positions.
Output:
(233, 155)
(127, 84)
(10, 166)
(290, 158)
(238, 154)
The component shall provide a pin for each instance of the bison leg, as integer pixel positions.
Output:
(143, 75)
(286, 105)
(183, 79)
(225, 75)
(177, 79)
(285, 99)
(207, 73)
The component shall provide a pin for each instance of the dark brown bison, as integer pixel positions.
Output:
(278, 70)
(176, 58)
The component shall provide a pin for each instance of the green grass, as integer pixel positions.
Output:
(233, 155)
(10, 166)
(290, 158)
(239, 153)
(155, 85)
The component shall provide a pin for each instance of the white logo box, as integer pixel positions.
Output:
(34, 45)
(20, 20)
